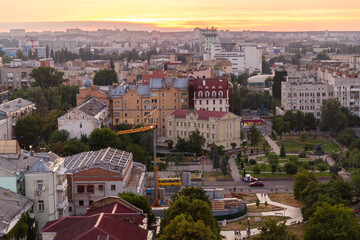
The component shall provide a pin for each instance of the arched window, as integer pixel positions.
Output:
(200, 94)
(213, 94)
(213, 87)
(220, 87)
(221, 94)
(207, 94)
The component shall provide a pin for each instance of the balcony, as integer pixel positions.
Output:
(62, 186)
(63, 204)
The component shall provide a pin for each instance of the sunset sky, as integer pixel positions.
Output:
(172, 15)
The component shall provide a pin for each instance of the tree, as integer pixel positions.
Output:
(333, 223)
(20, 55)
(257, 202)
(112, 64)
(47, 51)
(6, 59)
(309, 122)
(139, 153)
(299, 121)
(282, 151)
(196, 142)
(52, 54)
(35, 56)
(182, 145)
(233, 145)
(28, 130)
(224, 165)
(193, 193)
(197, 209)
(279, 126)
(74, 146)
(301, 181)
(105, 77)
(321, 56)
(254, 136)
(214, 155)
(184, 227)
(332, 118)
(271, 230)
(46, 77)
(318, 150)
(276, 87)
(291, 167)
(355, 183)
(139, 202)
(273, 161)
(103, 138)
(59, 136)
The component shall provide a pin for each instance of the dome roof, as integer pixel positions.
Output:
(88, 82)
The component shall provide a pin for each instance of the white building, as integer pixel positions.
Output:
(347, 91)
(304, 96)
(86, 117)
(207, 38)
(355, 62)
(46, 185)
(244, 58)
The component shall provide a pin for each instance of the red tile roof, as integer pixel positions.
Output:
(202, 114)
(94, 227)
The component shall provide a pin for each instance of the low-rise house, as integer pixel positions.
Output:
(86, 117)
(12, 206)
(12, 111)
(97, 174)
(108, 218)
(220, 128)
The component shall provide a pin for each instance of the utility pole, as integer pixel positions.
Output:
(155, 167)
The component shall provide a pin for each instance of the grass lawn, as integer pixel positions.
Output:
(263, 208)
(286, 198)
(214, 175)
(298, 230)
(293, 143)
(243, 223)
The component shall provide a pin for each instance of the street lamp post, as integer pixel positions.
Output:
(248, 231)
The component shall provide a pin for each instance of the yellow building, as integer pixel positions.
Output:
(129, 103)
(220, 128)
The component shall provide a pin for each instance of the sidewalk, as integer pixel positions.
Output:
(234, 170)
(292, 212)
(274, 147)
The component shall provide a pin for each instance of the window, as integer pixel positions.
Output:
(200, 94)
(90, 202)
(194, 125)
(169, 132)
(221, 94)
(213, 136)
(81, 203)
(41, 206)
(220, 101)
(213, 126)
(80, 125)
(207, 135)
(202, 125)
(200, 102)
(90, 188)
(125, 114)
(170, 123)
(213, 94)
(177, 124)
(214, 102)
(70, 208)
(80, 188)
(207, 94)
(207, 126)
(113, 188)
(101, 187)
(40, 184)
(181, 124)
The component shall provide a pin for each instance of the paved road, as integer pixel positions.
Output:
(274, 147)
(234, 170)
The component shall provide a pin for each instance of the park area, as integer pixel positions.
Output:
(295, 143)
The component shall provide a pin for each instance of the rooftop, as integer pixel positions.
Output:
(92, 106)
(14, 105)
(202, 114)
(11, 204)
(109, 158)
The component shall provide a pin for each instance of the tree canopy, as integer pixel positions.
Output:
(105, 77)
(332, 118)
(103, 138)
(271, 230)
(46, 77)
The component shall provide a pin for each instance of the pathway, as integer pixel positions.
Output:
(234, 170)
(293, 212)
(274, 147)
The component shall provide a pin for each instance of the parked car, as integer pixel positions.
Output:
(249, 178)
(256, 184)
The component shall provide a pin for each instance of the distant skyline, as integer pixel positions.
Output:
(165, 15)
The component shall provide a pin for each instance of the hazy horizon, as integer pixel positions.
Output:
(164, 15)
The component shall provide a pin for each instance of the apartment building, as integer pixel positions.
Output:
(208, 37)
(220, 128)
(97, 174)
(209, 94)
(15, 77)
(305, 96)
(46, 185)
(130, 103)
(347, 91)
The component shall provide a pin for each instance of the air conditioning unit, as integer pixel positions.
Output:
(43, 188)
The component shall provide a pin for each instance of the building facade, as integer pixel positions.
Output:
(46, 185)
(15, 77)
(130, 103)
(85, 118)
(209, 94)
(220, 128)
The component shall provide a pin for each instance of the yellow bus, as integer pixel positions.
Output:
(169, 182)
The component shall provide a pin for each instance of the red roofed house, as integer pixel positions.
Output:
(209, 94)
(109, 218)
(155, 74)
(220, 128)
